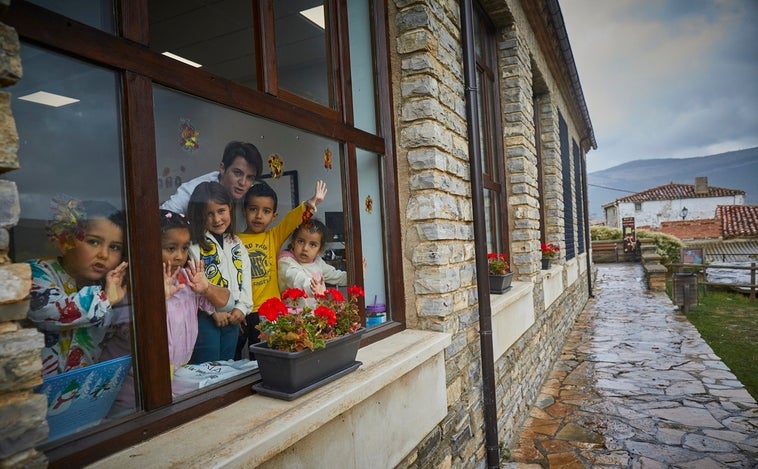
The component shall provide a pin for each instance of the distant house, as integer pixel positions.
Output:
(671, 202)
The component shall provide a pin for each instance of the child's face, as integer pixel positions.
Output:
(259, 213)
(99, 252)
(218, 217)
(175, 245)
(306, 246)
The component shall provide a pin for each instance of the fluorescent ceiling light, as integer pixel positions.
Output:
(316, 15)
(182, 59)
(48, 99)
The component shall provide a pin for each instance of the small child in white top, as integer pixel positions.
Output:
(301, 265)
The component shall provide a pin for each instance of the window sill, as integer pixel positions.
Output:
(512, 315)
(257, 428)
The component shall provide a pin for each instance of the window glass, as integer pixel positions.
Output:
(217, 36)
(370, 194)
(302, 49)
(191, 138)
(362, 65)
(96, 13)
(72, 232)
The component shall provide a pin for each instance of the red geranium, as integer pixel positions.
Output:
(297, 322)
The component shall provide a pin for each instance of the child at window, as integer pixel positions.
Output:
(301, 265)
(226, 265)
(262, 244)
(73, 295)
(187, 289)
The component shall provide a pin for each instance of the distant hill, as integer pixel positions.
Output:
(732, 170)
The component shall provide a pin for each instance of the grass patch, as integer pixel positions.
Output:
(728, 322)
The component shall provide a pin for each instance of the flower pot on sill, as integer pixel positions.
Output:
(288, 375)
(546, 263)
(500, 283)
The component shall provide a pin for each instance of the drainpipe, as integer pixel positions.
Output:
(587, 236)
(480, 239)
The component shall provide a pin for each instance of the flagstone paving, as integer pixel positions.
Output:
(635, 386)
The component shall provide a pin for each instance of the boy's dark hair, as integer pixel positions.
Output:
(246, 150)
(314, 225)
(261, 190)
(171, 220)
(207, 192)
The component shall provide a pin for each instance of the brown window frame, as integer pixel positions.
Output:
(140, 68)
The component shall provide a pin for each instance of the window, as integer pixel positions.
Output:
(638, 206)
(568, 201)
(578, 190)
(490, 135)
(138, 124)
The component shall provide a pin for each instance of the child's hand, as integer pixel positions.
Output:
(221, 319)
(171, 283)
(318, 286)
(197, 280)
(364, 268)
(236, 316)
(319, 194)
(115, 287)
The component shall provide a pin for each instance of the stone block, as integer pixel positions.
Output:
(8, 135)
(29, 459)
(10, 58)
(16, 280)
(20, 364)
(9, 205)
(23, 416)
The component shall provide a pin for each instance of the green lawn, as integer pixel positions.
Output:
(728, 322)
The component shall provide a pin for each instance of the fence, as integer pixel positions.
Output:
(702, 271)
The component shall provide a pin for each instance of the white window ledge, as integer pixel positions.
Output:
(370, 402)
(512, 315)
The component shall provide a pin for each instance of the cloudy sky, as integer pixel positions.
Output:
(666, 78)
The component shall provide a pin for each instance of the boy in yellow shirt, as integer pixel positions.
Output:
(263, 245)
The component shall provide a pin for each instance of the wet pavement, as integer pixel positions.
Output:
(636, 387)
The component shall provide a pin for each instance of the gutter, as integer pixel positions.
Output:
(480, 239)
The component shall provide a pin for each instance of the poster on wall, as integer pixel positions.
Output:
(629, 234)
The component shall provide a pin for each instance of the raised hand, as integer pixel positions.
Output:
(318, 285)
(115, 287)
(171, 283)
(196, 278)
(319, 194)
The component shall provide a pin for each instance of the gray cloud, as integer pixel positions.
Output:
(674, 78)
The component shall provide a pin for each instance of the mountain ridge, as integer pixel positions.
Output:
(736, 169)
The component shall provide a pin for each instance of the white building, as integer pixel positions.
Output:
(671, 202)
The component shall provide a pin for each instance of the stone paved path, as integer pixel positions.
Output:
(636, 387)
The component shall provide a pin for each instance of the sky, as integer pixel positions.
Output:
(666, 78)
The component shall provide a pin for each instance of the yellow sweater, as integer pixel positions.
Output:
(263, 249)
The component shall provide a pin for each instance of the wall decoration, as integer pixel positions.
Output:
(188, 136)
(276, 165)
(369, 204)
(328, 159)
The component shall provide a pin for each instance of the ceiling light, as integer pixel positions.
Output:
(315, 15)
(182, 59)
(48, 99)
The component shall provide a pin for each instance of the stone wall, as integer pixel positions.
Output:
(432, 147)
(22, 412)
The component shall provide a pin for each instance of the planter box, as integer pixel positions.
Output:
(546, 263)
(288, 375)
(500, 283)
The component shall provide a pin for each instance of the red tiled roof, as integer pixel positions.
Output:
(738, 221)
(672, 191)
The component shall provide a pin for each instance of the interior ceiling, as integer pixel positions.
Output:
(219, 34)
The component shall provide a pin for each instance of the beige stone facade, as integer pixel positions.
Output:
(530, 322)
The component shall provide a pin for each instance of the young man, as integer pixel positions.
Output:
(240, 165)
(263, 245)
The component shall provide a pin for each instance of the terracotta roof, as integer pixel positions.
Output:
(738, 221)
(672, 191)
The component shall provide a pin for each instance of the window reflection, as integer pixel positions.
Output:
(302, 49)
(216, 35)
(73, 235)
(96, 13)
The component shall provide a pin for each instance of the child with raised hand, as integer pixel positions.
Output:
(301, 265)
(226, 265)
(187, 289)
(73, 295)
(263, 244)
